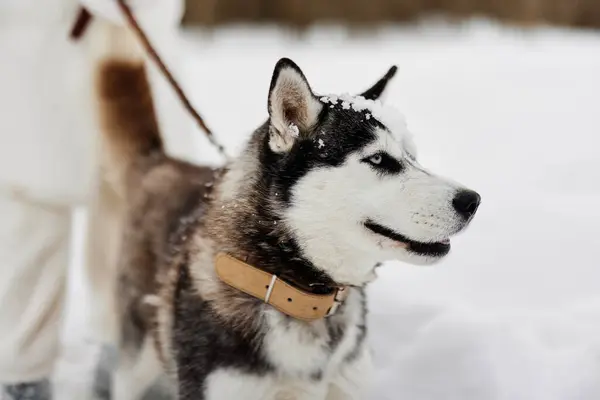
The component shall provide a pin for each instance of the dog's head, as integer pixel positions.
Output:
(354, 194)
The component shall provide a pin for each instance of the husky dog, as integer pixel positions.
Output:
(326, 188)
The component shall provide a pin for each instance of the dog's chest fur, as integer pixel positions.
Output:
(314, 350)
(266, 346)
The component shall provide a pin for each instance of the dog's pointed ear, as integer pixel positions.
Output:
(378, 89)
(293, 107)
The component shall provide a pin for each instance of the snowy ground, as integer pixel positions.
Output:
(514, 312)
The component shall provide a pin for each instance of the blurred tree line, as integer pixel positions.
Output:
(364, 13)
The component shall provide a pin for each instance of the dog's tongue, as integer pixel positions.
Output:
(445, 241)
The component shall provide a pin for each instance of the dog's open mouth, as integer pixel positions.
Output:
(433, 249)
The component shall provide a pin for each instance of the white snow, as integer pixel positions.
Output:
(514, 312)
(293, 130)
(387, 114)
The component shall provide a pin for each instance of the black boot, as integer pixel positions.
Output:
(39, 390)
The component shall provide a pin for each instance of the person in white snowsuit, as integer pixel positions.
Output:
(49, 166)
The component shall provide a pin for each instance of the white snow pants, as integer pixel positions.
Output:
(34, 254)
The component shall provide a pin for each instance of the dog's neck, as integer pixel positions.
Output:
(244, 223)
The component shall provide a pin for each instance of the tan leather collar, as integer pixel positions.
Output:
(276, 292)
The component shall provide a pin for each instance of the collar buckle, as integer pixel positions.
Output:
(270, 288)
(341, 292)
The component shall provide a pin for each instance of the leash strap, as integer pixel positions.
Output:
(81, 23)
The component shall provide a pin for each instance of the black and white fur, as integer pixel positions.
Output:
(326, 189)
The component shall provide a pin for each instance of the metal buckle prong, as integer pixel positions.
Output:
(338, 299)
(270, 289)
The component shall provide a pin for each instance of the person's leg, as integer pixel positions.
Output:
(34, 255)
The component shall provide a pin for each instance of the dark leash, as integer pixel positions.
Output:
(81, 23)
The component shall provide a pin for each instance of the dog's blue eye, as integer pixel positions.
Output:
(376, 159)
(384, 163)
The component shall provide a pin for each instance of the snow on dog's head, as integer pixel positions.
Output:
(354, 192)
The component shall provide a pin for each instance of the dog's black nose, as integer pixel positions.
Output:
(466, 202)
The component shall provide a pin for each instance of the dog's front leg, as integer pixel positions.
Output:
(232, 384)
(136, 373)
(351, 381)
(229, 383)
